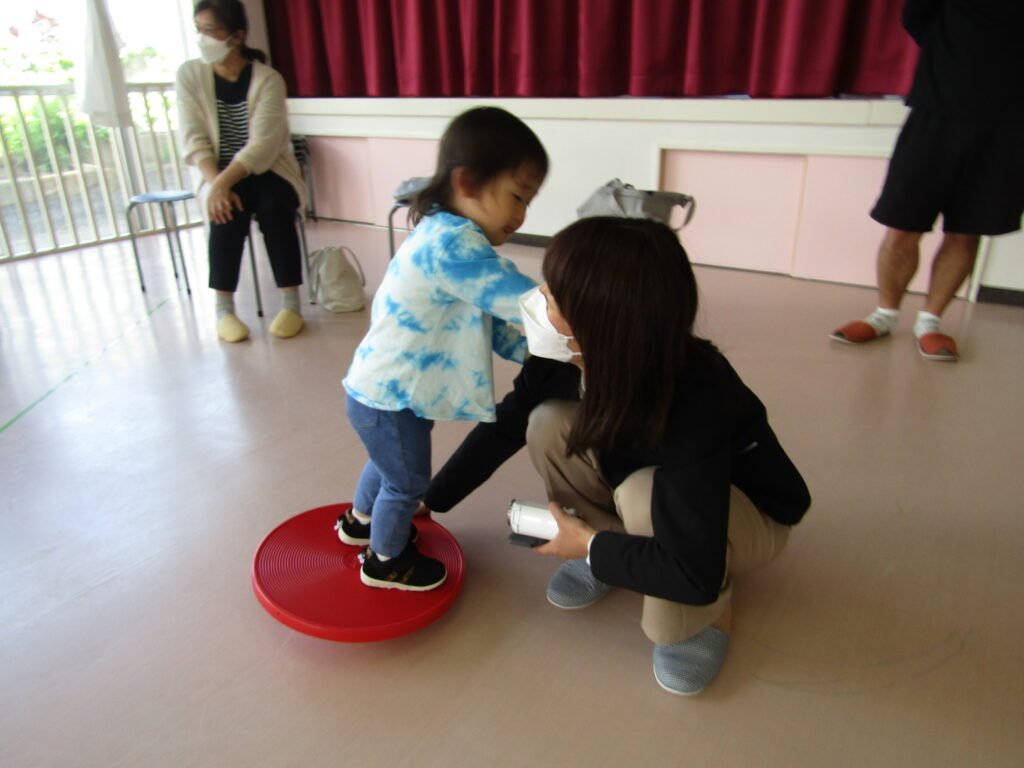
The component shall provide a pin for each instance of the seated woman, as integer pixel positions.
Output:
(647, 432)
(234, 128)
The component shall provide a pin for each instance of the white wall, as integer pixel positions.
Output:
(1004, 263)
(257, 37)
(593, 140)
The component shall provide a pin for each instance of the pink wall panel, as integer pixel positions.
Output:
(791, 214)
(393, 161)
(747, 206)
(341, 177)
(837, 239)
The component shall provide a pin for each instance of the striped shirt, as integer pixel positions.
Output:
(232, 114)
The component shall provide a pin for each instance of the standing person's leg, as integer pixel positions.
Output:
(575, 482)
(398, 444)
(952, 265)
(916, 184)
(691, 640)
(896, 265)
(275, 204)
(226, 245)
(986, 198)
(898, 257)
(353, 526)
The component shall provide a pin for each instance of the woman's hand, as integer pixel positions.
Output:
(221, 203)
(573, 536)
(422, 511)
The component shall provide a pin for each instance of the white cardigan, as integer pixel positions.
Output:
(269, 147)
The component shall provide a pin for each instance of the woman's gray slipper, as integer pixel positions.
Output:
(575, 586)
(686, 668)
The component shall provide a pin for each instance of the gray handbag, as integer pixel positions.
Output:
(618, 199)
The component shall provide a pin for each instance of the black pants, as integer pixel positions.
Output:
(273, 201)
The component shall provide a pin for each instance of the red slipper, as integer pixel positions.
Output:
(938, 346)
(856, 332)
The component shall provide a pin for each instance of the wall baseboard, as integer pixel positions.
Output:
(1008, 296)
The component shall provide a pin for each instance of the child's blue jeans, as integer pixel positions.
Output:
(397, 474)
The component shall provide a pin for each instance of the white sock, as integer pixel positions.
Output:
(225, 304)
(883, 320)
(382, 558)
(926, 323)
(364, 519)
(291, 301)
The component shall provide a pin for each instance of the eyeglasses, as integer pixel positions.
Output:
(209, 30)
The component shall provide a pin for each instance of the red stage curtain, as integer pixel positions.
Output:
(591, 48)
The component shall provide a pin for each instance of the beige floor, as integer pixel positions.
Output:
(143, 461)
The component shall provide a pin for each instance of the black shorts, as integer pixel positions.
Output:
(969, 170)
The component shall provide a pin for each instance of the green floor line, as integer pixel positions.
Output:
(72, 375)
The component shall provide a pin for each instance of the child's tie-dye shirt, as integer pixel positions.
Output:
(443, 307)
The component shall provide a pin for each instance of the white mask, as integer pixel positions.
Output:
(542, 338)
(211, 50)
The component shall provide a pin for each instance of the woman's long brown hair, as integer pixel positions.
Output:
(627, 289)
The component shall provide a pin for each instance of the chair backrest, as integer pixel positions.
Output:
(300, 148)
(408, 189)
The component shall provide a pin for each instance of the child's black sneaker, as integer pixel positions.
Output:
(351, 531)
(411, 571)
(357, 534)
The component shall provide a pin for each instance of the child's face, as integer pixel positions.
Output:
(499, 206)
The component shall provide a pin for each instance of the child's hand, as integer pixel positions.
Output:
(573, 536)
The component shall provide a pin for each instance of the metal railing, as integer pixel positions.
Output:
(64, 182)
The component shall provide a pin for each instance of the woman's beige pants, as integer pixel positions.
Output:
(576, 482)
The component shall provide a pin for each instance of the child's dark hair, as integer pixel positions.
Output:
(487, 141)
(230, 14)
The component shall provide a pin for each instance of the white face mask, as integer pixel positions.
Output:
(542, 338)
(213, 51)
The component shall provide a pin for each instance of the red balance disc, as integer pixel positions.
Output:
(308, 579)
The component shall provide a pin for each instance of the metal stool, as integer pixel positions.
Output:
(404, 196)
(166, 199)
(300, 224)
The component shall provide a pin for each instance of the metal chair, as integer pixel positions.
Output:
(300, 225)
(165, 199)
(300, 148)
(404, 196)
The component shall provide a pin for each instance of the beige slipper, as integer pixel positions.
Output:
(286, 324)
(230, 328)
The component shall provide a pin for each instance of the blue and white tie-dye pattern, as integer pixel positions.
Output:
(442, 309)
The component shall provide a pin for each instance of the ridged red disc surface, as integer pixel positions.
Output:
(308, 580)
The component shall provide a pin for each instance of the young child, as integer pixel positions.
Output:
(441, 309)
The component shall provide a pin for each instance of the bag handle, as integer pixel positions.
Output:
(686, 202)
(359, 267)
(315, 258)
